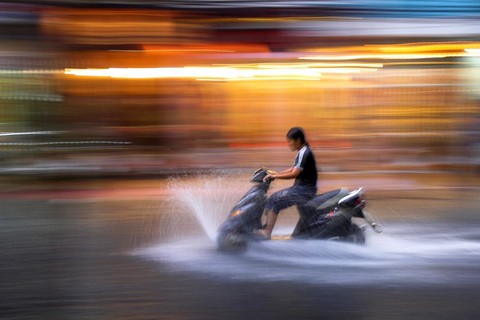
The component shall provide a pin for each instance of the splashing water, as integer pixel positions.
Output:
(405, 253)
(398, 256)
(209, 197)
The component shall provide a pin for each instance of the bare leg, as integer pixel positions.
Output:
(269, 224)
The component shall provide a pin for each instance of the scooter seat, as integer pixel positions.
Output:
(351, 195)
(325, 200)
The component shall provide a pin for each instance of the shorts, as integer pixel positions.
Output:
(295, 195)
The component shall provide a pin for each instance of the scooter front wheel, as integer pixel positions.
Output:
(232, 242)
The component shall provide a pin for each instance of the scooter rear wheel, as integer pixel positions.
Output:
(356, 235)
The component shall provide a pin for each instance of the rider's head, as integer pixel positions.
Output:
(296, 138)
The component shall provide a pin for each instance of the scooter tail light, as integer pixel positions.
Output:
(360, 202)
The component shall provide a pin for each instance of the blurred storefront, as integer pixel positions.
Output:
(186, 81)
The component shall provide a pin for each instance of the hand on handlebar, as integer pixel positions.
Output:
(269, 177)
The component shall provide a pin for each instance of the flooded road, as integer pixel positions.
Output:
(144, 249)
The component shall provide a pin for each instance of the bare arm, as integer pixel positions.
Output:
(290, 173)
(285, 171)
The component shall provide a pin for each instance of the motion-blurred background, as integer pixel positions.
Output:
(142, 87)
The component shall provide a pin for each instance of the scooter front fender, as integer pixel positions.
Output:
(229, 239)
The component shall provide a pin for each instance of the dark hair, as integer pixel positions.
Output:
(296, 133)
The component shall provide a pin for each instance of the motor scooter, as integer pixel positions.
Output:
(327, 216)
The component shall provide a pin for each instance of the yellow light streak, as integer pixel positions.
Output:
(200, 73)
(403, 51)
(390, 56)
(231, 73)
(473, 51)
(316, 65)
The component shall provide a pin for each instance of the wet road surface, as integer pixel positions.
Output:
(142, 249)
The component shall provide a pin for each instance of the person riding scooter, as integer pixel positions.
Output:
(304, 171)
